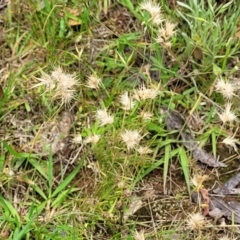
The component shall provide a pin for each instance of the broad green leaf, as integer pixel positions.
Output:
(36, 209)
(62, 28)
(224, 7)
(217, 70)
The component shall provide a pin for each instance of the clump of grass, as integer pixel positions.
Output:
(121, 135)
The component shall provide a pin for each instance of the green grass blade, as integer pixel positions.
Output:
(62, 196)
(166, 166)
(158, 163)
(214, 144)
(10, 210)
(19, 235)
(42, 170)
(145, 172)
(185, 166)
(67, 180)
(40, 192)
(50, 175)
(15, 153)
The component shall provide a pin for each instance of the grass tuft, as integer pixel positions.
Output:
(85, 149)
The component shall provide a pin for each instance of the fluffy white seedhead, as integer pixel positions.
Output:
(227, 115)
(154, 10)
(166, 32)
(77, 139)
(139, 235)
(65, 96)
(231, 141)
(226, 88)
(47, 81)
(64, 81)
(61, 84)
(131, 138)
(144, 93)
(196, 221)
(92, 139)
(126, 101)
(93, 82)
(104, 117)
(146, 115)
(169, 26)
(144, 150)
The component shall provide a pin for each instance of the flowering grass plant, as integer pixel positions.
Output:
(114, 70)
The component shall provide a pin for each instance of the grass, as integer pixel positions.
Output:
(93, 183)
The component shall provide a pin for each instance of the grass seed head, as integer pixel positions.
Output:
(92, 139)
(126, 101)
(169, 29)
(131, 138)
(231, 141)
(144, 150)
(146, 115)
(93, 82)
(227, 115)
(77, 139)
(139, 235)
(167, 45)
(64, 81)
(61, 84)
(104, 117)
(154, 10)
(225, 88)
(65, 96)
(196, 221)
(144, 93)
(47, 81)
(166, 33)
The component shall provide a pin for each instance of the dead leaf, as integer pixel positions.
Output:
(73, 15)
(206, 158)
(175, 121)
(197, 180)
(237, 35)
(134, 205)
(216, 213)
(206, 199)
(197, 54)
(229, 187)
